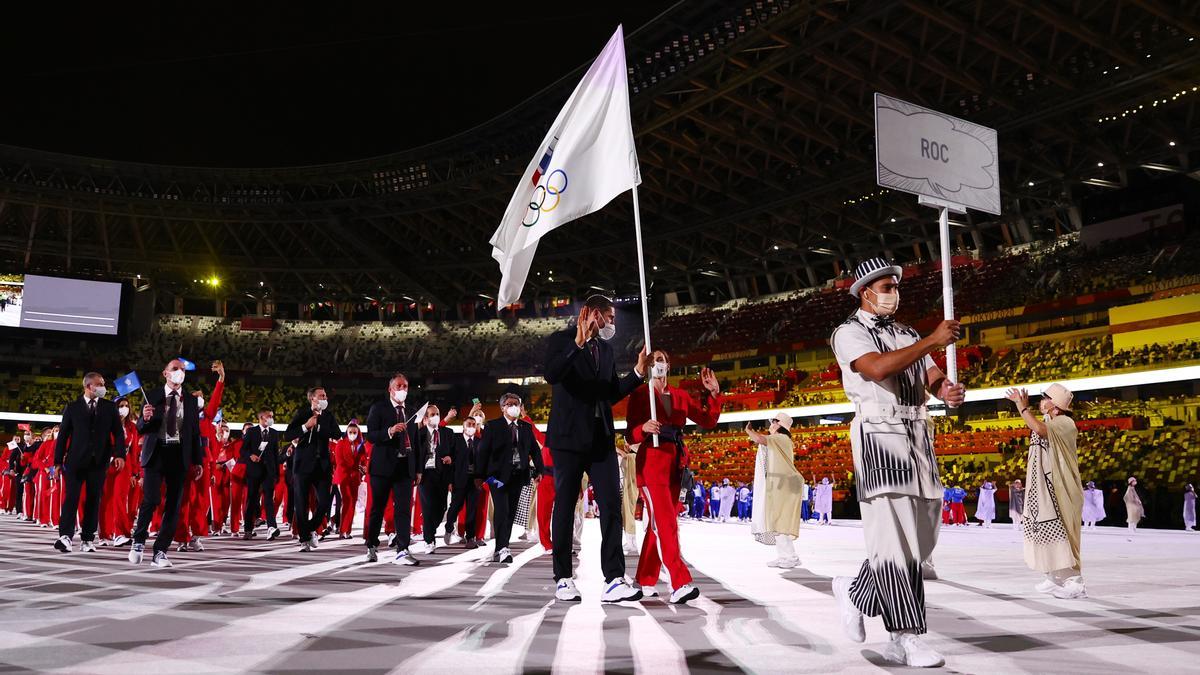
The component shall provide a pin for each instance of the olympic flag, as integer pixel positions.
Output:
(586, 159)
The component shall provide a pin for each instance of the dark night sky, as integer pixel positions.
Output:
(195, 85)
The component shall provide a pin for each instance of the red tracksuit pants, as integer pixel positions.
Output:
(658, 479)
(348, 489)
(237, 502)
(115, 517)
(545, 507)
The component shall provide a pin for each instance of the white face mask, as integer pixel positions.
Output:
(322, 404)
(885, 303)
(399, 395)
(200, 402)
(469, 432)
(608, 332)
(176, 377)
(660, 370)
(352, 435)
(99, 392)
(433, 421)
(269, 421)
(123, 411)
(513, 411)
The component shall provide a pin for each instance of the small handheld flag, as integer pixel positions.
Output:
(187, 365)
(127, 383)
(24, 426)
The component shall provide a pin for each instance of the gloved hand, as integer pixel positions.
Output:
(496, 484)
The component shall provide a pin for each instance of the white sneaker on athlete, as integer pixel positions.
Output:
(1072, 589)
(910, 650)
(403, 557)
(566, 591)
(504, 556)
(312, 541)
(684, 594)
(160, 560)
(649, 591)
(135, 553)
(372, 554)
(273, 534)
(619, 590)
(852, 616)
(63, 544)
(784, 563)
(120, 540)
(1046, 585)
(196, 545)
(87, 547)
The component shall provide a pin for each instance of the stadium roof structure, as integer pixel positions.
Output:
(755, 130)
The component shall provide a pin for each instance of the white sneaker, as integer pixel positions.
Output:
(1047, 585)
(684, 594)
(391, 539)
(160, 560)
(784, 563)
(1072, 589)
(566, 591)
(135, 553)
(120, 540)
(453, 539)
(504, 556)
(273, 534)
(87, 547)
(852, 616)
(629, 545)
(63, 544)
(306, 547)
(649, 591)
(403, 557)
(196, 545)
(312, 541)
(619, 590)
(372, 554)
(910, 650)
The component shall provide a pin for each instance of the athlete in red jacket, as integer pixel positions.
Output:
(349, 466)
(659, 469)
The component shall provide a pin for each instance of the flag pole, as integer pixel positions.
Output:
(637, 228)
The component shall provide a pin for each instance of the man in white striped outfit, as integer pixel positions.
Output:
(888, 375)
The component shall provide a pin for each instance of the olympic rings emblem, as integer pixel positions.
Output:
(542, 193)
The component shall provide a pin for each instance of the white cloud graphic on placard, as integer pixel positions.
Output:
(971, 164)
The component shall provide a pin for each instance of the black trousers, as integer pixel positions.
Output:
(291, 508)
(257, 487)
(166, 468)
(92, 476)
(18, 494)
(399, 485)
(433, 492)
(599, 462)
(304, 485)
(504, 502)
(464, 495)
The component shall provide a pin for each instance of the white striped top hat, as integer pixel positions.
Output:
(871, 269)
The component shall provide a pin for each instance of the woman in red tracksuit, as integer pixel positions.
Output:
(237, 486)
(116, 521)
(49, 492)
(225, 452)
(544, 490)
(659, 468)
(349, 461)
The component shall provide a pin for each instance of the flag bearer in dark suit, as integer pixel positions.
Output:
(171, 450)
(465, 491)
(582, 369)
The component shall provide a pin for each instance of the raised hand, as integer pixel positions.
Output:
(709, 379)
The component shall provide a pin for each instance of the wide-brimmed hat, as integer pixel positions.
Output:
(871, 269)
(784, 420)
(1059, 395)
